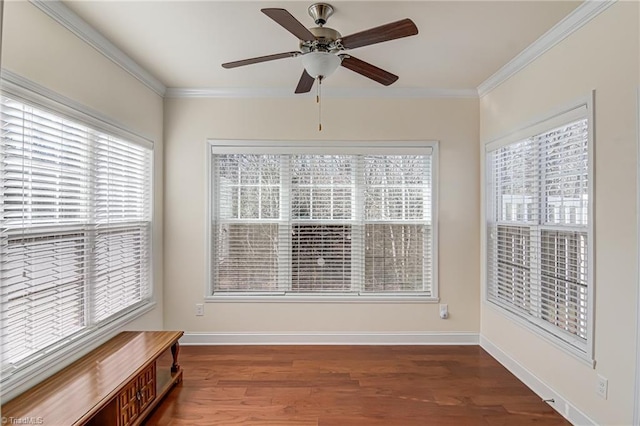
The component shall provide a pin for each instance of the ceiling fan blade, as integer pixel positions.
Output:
(368, 70)
(289, 23)
(392, 31)
(306, 83)
(260, 59)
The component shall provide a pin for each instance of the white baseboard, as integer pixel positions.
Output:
(329, 338)
(561, 405)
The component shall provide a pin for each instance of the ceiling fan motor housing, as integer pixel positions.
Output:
(325, 40)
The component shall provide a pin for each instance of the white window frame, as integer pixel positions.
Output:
(580, 108)
(67, 351)
(320, 147)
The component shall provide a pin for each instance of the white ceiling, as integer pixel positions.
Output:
(183, 43)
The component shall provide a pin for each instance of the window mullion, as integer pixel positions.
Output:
(90, 230)
(536, 237)
(358, 231)
(284, 228)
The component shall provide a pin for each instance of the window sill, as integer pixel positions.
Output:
(57, 359)
(313, 298)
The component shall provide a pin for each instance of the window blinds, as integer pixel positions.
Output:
(538, 217)
(321, 223)
(397, 209)
(122, 209)
(75, 229)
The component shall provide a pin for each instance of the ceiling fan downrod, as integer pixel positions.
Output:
(320, 12)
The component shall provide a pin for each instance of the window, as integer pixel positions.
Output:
(322, 220)
(75, 229)
(538, 228)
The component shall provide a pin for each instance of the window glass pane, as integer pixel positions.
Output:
(43, 288)
(247, 257)
(321, 258)
(564, 280)
(248, 186)
(517, 176)
(322, 186)
(394, 257)
(512, 256)
(397, 187)
(121, 261)
(566, 174)
(45, 168)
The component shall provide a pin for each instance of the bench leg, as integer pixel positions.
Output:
(175, 350)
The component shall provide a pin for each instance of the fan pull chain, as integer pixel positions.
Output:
(318, 101)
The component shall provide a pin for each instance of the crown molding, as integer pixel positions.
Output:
(71, 21)
(588, 10)
(582, 14)
(243, 93)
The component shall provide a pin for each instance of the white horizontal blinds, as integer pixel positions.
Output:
(122, 214)
(397, 212)
(45, 209)
(43, 292)
(247, 222)
(564, 280)
(74, 231)
(516, 208)
(46, 170)
(538, 228)
(564, 261)
(565, 159)
(322, 223)
(322, 226)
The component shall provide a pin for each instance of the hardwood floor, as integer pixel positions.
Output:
(348, 385)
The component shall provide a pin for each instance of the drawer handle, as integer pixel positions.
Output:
(138, 396)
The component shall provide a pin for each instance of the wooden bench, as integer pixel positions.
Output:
(118, 383)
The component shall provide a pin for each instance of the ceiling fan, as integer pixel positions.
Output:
(323, 49)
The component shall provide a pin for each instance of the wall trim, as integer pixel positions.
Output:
(330, 338)
(581, 15)
(329, 92)
(544, 391)
(56, 10)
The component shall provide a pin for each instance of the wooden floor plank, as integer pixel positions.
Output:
(348, 385)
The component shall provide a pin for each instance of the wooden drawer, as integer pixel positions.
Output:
(128, 404)
(136, 396)
(147, 386)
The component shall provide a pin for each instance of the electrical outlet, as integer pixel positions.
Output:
(444, 311)
(199, 309)
(602, 387)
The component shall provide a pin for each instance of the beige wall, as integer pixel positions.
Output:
(188, 124)
(39, 49)
(603, 56)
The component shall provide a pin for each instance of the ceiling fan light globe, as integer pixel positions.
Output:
(320, 64)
